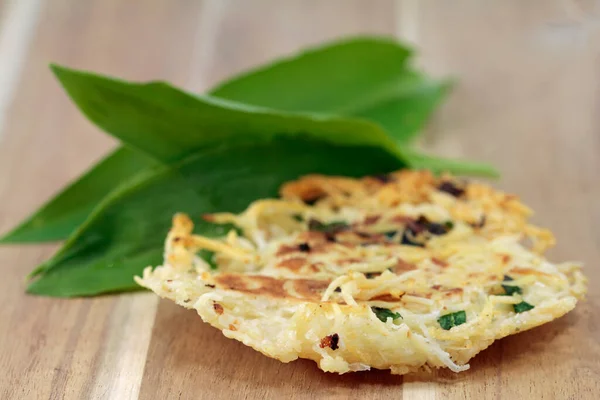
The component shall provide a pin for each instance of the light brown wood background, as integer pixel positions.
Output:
(528, 101)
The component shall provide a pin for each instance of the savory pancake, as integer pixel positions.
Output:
(404, 271)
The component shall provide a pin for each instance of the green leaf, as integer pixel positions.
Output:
(449, 321)
(418, 160)
(522, 307)
(59, 217)
(404, 107)
(368, 65)
(384, 313)
(326, 78)
(170, 124)
(126, 232)
(366, 77)
(102, 255)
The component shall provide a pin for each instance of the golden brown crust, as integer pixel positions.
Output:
(386, 297)
(498, 212)
(297, 289)
(403, 266)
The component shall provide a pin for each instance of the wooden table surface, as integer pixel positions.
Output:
(528, 101)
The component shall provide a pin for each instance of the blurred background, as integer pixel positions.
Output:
(527, 101)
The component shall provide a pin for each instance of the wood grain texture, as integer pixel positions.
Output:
(527, 100)
(84, 348)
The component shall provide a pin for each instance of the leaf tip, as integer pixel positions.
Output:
(6, 238)
(13, 236)
(60, 73)
(493, 173)
(56, 69)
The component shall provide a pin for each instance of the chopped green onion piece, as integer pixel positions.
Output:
(384, 313)
(298, 217)
(522, 307)
(510, 290)
(450, 320)
(332, 227)
(391, 234)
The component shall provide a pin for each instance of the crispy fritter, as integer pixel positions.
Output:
(404, 271)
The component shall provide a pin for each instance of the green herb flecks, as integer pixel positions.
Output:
(331, 227)
(384, 313)
(509, 290)
(391, 234)
(522, 307)
(451, 320)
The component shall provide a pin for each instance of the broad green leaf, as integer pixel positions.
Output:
(366, 77)
(321, 79)
(126, 232)
(59, 217)
(170, 124)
